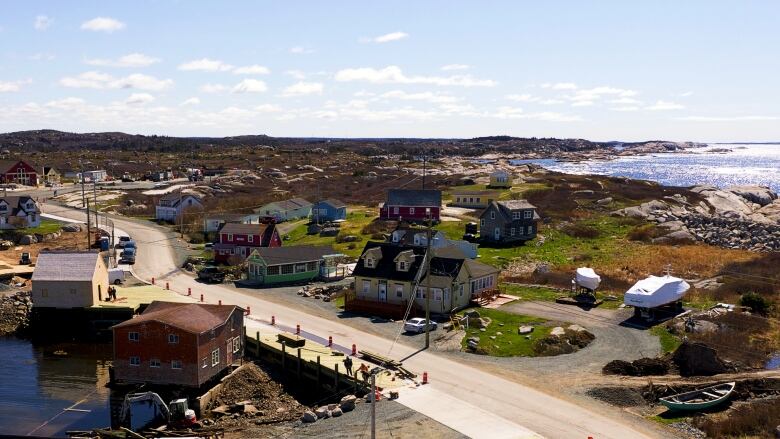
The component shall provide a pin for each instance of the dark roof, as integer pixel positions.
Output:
(176, 196)
(227, 216)
(446, 266)
(15, 203)
(245, 229)
(505, 208)
(6, 165)
(385, 268)
(191, 317)
(293, 203)
(293, 254)
(516, 204)
(413, 197)
(336, 204)
(479, 269)
(65, 266)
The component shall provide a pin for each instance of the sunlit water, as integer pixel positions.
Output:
(744, 164)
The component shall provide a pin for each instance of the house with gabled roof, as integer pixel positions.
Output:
(292, 209)
(500, 178)
(328, 210)
(69, 279)
(171, 205)
(472, 199)
(184, 344)
(411, 205)
(418, 236)
(19, 212)
(214, 221)
(288, 265)
(19, 172)
(508, 222)
(236, 241)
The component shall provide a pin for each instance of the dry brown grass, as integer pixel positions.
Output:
(756, 419)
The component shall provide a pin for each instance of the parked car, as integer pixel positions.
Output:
(211, 274)
(417, 325)
(122, 241)
(209, 246)
(116, 276)
(128, 255)
(130, 244)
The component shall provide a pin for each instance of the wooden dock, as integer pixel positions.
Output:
(136, 297)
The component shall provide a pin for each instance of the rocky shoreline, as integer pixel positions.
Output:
(15, 312)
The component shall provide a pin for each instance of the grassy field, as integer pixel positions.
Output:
(509, 343)
(356, 221)
(46, 226)
(669, 342)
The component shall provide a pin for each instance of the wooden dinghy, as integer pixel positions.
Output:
(699, 399)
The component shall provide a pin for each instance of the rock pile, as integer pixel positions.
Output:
(15, 312)
(347, 404)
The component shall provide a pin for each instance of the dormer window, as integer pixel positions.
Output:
(528, 214)
(369, 263)
(515, 215)
(492, 215)
(402, 266)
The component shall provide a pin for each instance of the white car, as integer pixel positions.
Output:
(417, 325)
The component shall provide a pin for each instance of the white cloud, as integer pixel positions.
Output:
(392, 36)
(551, 101)
(98, 80)
(213, 88)
(522, 98)
(297, 74)
(423, 96)
(103, 24)
(596, 93)
(394, 75)
(40, 56)
(42, 22)
(12, 86)
(252, 70)
(129, 60)
(66, 103)
(205, 65)
(300, 50)
(546, 116)
(664, 106)
(303, 88)
(191, 101)
(139, 98)
(582, 104)
(686, 94)
(754, 118)
(626, 101)
(449, 67)
(560, 86)
(626, 108)
(268, 108)
(249, 86)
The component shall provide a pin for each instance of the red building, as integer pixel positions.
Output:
(19, 172)
(184, 344)
(411, 205)
(236, 241)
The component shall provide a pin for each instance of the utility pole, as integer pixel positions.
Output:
(425, 168)
(89, 241)
(429, 257)
(94, 205)
(181, 215)
(83, 196)
(373, 402)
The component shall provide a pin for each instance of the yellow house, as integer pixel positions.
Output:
(501, 178)
(473, 199)
(69, 280)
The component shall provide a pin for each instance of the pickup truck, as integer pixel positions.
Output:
(128, 255)
(211, 274)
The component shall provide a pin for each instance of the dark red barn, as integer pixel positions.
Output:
(411, 205)
(237, 241)
(19, 172)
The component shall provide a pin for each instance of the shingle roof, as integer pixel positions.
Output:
(385, 268)
(65, 266)
(336, 204)
(516, 204)
(293, 254)
(505, 208)
(176, 196)
(293, 203)
(191, 317)
(479, 269)
(413, 197)
(15, 204)
(245, 229)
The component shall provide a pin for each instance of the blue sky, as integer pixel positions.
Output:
(694, 70)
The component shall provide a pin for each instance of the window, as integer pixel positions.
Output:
(471, 199)
(446, 295)
(214, 357)
(482, 223)
(492, 215)
(436, 294)
(399, 290)
(132, 336)
(530, 230)
(273, 270)
(311, 266)
(395, 210)
(44, 292)
(411, 211)
(300, 268)
(512, 231)
(236, 344)
(515, 215)
(420, 293)
(477, 199)
(288, 268)
(135, 361)
(154, 362)
(230, 237)
(173, 338)
(528, 214)
(369, 263)
(251, 238)
(366, 285)
(457, 200)
(176, 364)
(205, 363)
(401, 265)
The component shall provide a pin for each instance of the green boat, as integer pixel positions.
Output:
(699, 399)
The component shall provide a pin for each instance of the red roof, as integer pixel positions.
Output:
(191, 317)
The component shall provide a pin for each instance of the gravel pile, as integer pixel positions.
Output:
(617, 396)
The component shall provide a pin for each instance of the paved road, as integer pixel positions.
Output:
(464, 398)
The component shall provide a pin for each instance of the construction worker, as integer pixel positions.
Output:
(348, 365)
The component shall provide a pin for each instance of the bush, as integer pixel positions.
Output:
(644, 233)
(756, 302)
(578, 230)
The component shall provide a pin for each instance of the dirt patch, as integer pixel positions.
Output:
(566, 343)
(66, 241)
(617, 396)
(639, 367)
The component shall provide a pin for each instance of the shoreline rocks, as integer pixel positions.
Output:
(15, 312)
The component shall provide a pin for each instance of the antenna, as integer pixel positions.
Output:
(668, 269)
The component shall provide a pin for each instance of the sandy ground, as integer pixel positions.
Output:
(73, 199)
(68, 240)
(167, 189)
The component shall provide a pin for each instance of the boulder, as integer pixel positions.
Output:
(604, 201)
(322, 412)
(575, 328)
(525, 330)
(756, 194)
(336, 412)
(28, 239)
(221, 410)
(71, 228)
(309, 417)
(696, 359)
(681, 236)
(250, 410)
(347, 403)
(557, 331)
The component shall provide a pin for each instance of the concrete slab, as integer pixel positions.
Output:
(133, 297)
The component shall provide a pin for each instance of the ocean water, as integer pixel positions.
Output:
(744, 164)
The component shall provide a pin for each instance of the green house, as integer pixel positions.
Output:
(287, 265)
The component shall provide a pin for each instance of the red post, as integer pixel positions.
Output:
(201, 297)
(152, 281)
(297, 329)
(273, 320)
(425, 378)
(189, 291)
(330, 340)
(248, 310)
(166, 286)
(354, 349)
(220, 301)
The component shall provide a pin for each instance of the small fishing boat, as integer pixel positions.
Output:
(699, 399)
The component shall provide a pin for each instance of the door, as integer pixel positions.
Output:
(229, 352)
(497, 234)
(382, 292)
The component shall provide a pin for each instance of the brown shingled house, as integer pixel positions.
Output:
(184, 344)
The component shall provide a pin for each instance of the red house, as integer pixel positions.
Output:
(19, 172)
(411, 205)
(238, 240)
(185, 344)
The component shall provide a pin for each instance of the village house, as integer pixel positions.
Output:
(170, 206)
(473, 199)
(385, 278)
(69, 279)
(328, 210)
(19, 172)
(237, 241)
(418, 237)
(160, 175)
(286, 210)
(288, 265)
(501, 178)
(508, 222)
(214, 222)
(411, 205)
(19, 213)
(51, 176)
(183, 344)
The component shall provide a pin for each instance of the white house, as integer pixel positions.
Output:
(292, 209)
(501, 178)
(19, 212)
(69, 279)
(212, 223)
(171, 206)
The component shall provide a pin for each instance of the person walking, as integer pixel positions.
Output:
(348, 365)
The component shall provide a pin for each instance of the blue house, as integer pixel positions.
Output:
(328, 210)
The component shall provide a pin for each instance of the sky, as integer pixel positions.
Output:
(600, 70)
